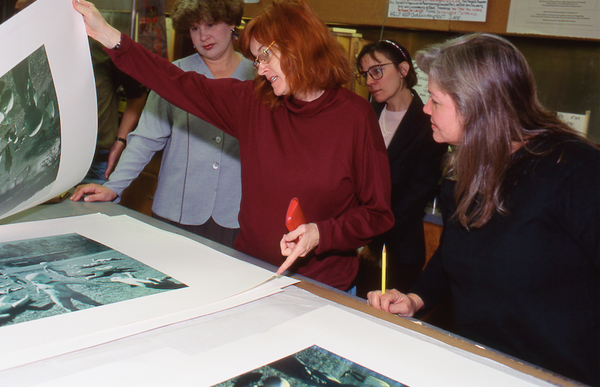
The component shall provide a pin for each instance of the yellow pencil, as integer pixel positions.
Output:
(383, 269)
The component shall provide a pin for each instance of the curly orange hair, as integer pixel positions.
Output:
(310, 56)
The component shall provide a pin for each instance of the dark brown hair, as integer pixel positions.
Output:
(186, 13)
(395, 53)
(310, 56)
(495, 94)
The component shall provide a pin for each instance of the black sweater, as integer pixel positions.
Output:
(415, 170)
(528, 283)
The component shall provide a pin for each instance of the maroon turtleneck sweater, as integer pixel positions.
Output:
(328, 153)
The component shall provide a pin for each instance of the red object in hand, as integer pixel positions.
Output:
(295, 216)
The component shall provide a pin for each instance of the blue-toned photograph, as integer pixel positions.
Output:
(313, 366)
(30, 140)
(48, 276)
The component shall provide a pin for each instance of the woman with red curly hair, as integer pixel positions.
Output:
(300, 134)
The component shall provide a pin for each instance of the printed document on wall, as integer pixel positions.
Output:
(577, 19)
(456, 10)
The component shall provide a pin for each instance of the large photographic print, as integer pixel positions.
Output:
(76, 282)
(30, 136)
(43, 277)
(313, 366)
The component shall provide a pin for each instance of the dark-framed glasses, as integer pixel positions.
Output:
(376, 72)
(263, 56)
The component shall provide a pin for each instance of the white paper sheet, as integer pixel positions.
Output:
(579, 122)
(397, 353)
(213, 279)
(458, 10)
(53, 115)
(401, 357)
(579, 19)
(213, 348)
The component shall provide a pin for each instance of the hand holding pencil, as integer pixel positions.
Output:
(393, 301)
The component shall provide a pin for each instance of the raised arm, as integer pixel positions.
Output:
(225, 102)
(96, 27)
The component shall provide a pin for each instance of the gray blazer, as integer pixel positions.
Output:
(200, 170)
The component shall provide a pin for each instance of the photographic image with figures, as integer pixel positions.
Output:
(30, 133)
(48, 276)
(313, 366)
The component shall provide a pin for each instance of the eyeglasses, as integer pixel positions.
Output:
(376, 72)
(263, 56)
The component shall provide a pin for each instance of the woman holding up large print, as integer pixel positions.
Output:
(199, 186)
(300, 135)
(520, 250)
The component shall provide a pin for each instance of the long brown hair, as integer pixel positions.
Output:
(494, 91)
(310, 56)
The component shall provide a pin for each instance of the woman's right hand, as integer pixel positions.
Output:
(392, 301)
(96, 27)
(94, 192)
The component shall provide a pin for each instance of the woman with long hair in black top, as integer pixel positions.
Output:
(520, 250)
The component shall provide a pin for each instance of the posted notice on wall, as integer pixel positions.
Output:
(569, 18)
(458, 10)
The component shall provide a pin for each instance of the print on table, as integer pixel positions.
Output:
(313, 366)
(48, 276)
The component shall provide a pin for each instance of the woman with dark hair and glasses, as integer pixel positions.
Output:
(520, 251)
(414, 158)
(300, 135)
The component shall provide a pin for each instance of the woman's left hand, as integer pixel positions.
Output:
(298, 243)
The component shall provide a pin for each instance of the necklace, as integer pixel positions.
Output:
(383, 122)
